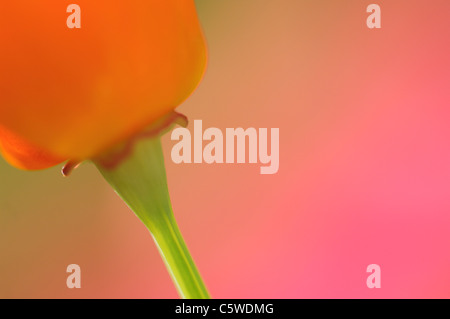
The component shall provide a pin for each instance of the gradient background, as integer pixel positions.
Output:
(364, 168)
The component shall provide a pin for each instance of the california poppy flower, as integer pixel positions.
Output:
(86, 93)
(73, 93)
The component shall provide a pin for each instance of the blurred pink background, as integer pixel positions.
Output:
(364, 168)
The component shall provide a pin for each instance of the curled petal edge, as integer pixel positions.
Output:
(114, 156)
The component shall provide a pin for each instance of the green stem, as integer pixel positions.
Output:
(140, 180)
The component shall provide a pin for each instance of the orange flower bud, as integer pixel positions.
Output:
(74, 93)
